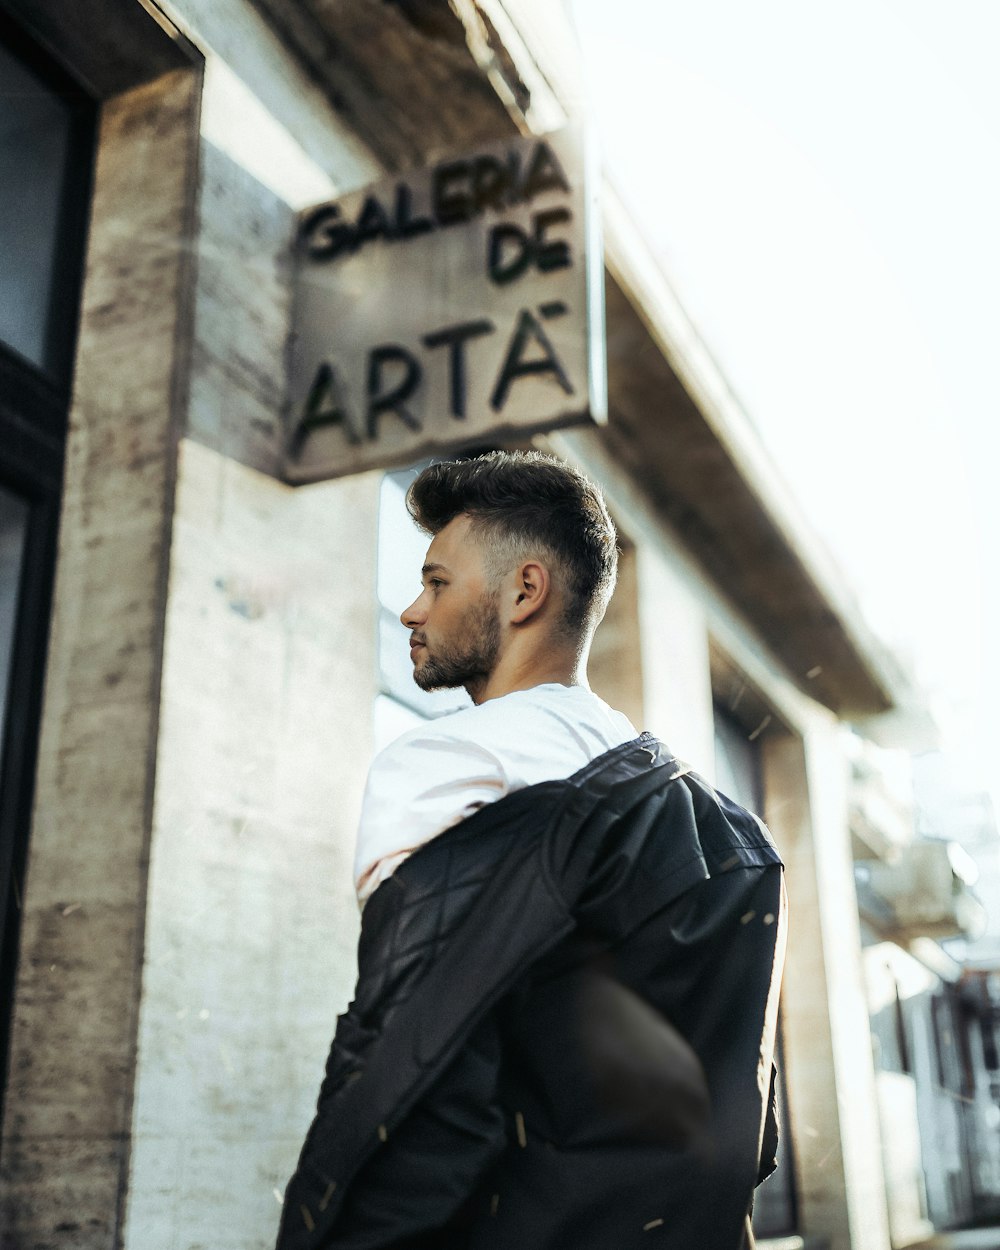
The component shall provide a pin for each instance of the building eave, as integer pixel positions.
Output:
(417, 78)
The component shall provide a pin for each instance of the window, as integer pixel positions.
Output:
(46, 136)
(902, 1038)
(737, 762)
(948, 1065)
(13, 535)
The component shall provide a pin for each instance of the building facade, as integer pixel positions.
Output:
(201, 658)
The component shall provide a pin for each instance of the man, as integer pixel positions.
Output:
(571, 946)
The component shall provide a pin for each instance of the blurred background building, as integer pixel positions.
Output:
(198, 658)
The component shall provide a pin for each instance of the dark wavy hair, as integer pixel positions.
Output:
(524, 504)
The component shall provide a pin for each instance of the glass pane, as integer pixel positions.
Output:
(13, 530)
(34, 142)
(737, 763)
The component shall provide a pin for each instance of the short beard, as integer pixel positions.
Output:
(471, 659)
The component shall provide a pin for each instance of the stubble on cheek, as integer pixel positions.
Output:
(470, 654)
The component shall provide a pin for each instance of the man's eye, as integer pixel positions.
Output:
(435, 582)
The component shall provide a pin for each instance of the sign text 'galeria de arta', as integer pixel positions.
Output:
(457, 304)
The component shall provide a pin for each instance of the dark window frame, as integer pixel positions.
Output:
(19, 756)
(34, 417)
(944, 1032)
(62, 319)
(902, 1036)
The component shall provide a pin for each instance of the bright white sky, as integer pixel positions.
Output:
(822, 185)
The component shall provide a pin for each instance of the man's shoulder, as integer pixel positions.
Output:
(499, 724)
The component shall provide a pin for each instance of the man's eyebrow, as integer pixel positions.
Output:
(432, 568)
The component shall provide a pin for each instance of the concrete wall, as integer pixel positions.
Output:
(270, 143)
(677, 683)
(265, 738)
(225, 901)
(828, 1057)
(661, 668)
(69, 1097)
(616, 668)
(268, 682)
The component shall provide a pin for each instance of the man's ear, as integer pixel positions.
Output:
(532, 587)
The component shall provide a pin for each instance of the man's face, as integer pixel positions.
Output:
(454, 623)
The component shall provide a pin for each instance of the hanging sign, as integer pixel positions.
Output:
(456, 304)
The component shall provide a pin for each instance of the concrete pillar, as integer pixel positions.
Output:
(676, 674)
(68, 1107)
(615, 667)
(251, 926)
(828, 1057)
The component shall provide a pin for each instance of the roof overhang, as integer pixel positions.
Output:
(417, 78)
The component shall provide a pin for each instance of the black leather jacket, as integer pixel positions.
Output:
(562, 1032)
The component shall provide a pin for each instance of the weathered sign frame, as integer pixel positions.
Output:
(460, 304)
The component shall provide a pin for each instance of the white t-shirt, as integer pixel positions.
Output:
(438, 773)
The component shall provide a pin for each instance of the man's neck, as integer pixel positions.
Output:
(510, 677)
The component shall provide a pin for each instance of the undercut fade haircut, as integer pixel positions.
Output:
(524, 505)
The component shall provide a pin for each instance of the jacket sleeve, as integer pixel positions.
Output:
(424, 1170)
(421, 1175)
(425, 1173)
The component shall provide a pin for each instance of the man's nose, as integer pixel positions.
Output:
(412, 616)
